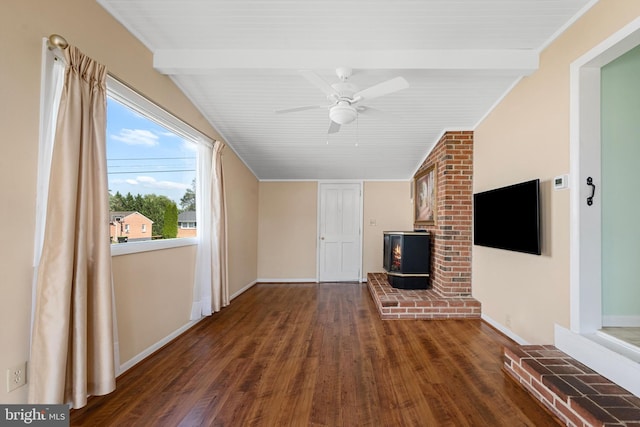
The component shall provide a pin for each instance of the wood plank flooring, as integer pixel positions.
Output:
(318, 355)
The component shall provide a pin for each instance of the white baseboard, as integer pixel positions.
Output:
(116, 358)
(280, 280)
(244, 289)
(155, 347)
(506, 331)
(621, 321)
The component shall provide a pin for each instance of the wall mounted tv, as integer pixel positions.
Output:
(508, 218)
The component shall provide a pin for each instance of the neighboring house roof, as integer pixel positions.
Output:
(188, 216)
(123, 214)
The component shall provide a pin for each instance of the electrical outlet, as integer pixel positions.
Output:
(16, 376)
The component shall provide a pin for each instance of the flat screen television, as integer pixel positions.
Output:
(509, 218)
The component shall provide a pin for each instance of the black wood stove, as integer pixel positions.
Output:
(407, 259)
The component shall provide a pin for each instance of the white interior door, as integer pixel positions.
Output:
(339, 232)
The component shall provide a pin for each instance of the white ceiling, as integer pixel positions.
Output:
(239, 61)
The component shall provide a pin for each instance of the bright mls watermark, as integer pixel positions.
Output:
(34, 415)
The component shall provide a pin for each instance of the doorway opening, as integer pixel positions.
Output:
(587, 341)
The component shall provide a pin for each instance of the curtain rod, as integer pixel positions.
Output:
(57, 41)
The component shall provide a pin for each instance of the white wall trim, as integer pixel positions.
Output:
(287, 280)
(567, 24)
(506, 331)
(501, 98)
(632, 321)
(155, 347)
(584, 116)
(242, 290)
(151, 245)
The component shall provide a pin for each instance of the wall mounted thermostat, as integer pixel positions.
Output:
(561, 182)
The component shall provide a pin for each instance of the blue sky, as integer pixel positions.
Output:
(144, 157)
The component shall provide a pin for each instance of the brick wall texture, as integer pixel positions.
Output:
(451, 235)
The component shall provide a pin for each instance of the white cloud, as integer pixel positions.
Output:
(137, 137)
(150, 182)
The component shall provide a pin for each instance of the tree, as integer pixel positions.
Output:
(116, 202)
(188, 201)
(170, 226)
(153, 208)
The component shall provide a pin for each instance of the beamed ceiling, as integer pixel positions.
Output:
(240, 61)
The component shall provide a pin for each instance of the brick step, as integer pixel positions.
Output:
(393, 303)
(576, 394)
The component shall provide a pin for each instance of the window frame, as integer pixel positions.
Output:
(127, 96)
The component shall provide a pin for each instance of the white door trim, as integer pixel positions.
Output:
(318, 230)
(581, 341)
(585, 239)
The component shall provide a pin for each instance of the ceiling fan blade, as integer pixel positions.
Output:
(319, 82)
(374, 113)
(334, 127)
(384, 88)
(303, 108)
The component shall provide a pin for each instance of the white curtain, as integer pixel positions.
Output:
(211, 289)
(52, 82)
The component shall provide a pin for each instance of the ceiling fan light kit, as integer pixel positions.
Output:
(343, 113)
(344, 96)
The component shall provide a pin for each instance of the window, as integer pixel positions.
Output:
(149, 151)
(152, 162)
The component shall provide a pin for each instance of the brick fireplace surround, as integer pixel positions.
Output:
(449, 295)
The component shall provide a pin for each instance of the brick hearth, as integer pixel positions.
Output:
(569, 389)
(395, 303)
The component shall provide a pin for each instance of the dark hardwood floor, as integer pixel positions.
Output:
(318, 355)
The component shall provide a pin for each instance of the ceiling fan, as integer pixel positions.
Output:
(345, 97)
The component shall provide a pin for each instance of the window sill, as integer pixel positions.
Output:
(153, 245)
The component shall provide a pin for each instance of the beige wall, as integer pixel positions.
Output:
(241, 188)
(85, 24)
(287, 230)
(526, 137)
(151, 301)
(387, 207)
